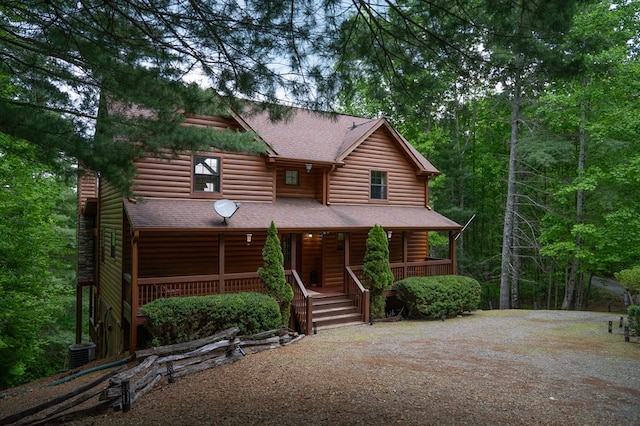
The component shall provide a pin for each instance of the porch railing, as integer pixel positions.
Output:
(153, 288)
(357, 293)
(425, 268)
(302, 302)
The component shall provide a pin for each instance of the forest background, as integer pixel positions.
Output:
(531, 109)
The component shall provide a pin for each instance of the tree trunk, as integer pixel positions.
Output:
(575, 264)
(515, 260)
(550, 284)
(507, 231)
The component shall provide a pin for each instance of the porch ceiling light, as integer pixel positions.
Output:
(249, 236)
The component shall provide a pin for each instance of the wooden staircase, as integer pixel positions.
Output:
(334, 310)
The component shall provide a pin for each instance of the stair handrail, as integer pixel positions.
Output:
(302, 304)
(357, 293)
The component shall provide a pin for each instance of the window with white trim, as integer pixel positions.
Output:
(378, 185)
(206, 174)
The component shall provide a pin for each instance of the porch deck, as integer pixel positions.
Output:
(151, 288)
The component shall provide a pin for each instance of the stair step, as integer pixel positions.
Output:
(333, 311)
(325, 304)
(342, 324)
(343, 304)
(337, 319)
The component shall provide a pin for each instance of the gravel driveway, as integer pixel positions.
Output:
(491, 367)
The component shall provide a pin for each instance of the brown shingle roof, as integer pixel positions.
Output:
(323, 137)
(288, 215)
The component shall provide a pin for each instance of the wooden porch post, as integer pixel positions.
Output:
(79, 288)
(133, 336)
(294, 251)
(452, 250)
(405, 254)
(347, 255)
(221, 262)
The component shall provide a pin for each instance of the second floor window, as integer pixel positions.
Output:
(206, 174)
(378, 185)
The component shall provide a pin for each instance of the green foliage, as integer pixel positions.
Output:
(633, 312)
(376, 272)
(37, 255)
(430, 296)
(630, 278)
(182, 319)
(272, 273)
(61, 61)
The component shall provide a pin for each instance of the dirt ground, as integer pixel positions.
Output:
(488, 368)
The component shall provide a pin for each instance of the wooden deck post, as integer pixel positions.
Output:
(452, 250)
(347, 255)
(405, 254)
(79, 288)
(221, 262)
(133, 335)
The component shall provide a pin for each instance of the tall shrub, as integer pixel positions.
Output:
(376, 272)
(630, 279)
(272, 273)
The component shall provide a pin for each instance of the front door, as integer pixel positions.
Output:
(333, 259)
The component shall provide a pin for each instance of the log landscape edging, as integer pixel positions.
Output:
(128, 385)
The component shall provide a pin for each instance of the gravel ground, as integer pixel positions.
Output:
(491, 367)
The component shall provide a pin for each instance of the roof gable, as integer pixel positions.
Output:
(423, 165)
(324, 137)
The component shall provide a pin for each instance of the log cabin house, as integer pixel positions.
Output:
(325, 181)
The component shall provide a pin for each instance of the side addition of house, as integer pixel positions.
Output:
(325, 181)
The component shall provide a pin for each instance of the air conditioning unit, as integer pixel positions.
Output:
(81, 354)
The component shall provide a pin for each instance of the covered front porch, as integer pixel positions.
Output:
(335, 265)
(323, 250)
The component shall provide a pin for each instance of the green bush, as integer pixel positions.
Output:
(430, 296)
(376, 271)
(633, 312)
(181, 319)
(272, 274)
(630, 278)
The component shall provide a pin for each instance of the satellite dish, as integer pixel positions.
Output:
(225, 208)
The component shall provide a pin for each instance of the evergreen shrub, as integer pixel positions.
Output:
(430, 296)
(272, 274)
(182, 319)
(376, 271)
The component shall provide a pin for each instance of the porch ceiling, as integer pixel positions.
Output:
(288, 215)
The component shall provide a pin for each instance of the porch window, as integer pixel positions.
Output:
(378, 185)
(291, 177)
(206, 174)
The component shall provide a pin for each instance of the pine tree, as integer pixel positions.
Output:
(272, 273)
(377, 275)
(78, 78)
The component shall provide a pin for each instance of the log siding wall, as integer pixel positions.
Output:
(243, 177)
(350, 184)
(111, 216)
(177, 253)
(85, 237)
(308, 183)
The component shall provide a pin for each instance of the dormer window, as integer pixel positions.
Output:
(206, 174)
(378, 185)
